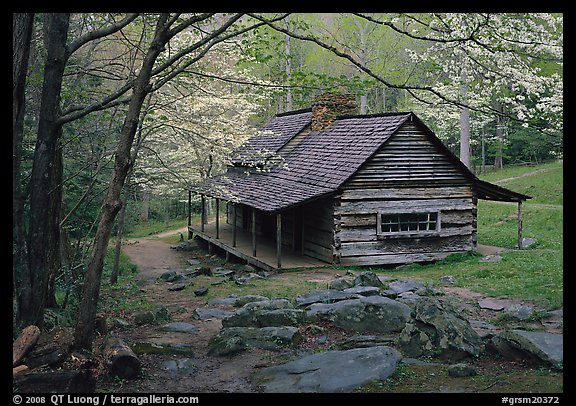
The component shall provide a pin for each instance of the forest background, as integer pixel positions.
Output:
(116, 115)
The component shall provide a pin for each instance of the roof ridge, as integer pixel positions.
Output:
(388, 114)
(294, 112)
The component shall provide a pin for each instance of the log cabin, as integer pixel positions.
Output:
(325, 186)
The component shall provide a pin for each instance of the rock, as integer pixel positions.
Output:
(201, 291)
(491, 258)
(180, 327)
(323, 296)
(447, 280)
(340, 284)
(490, 304)
(365, 342)
(265, 313)
(330, 371)
(183, 246)
(177, 287)
(231, 340)
(438, 329)
(537, 346)
(180, 366)
(142, 318)
(403, 286)
(281, 317)
(461, 370)
(193, 261)
(203, 313)
(367, 279)
(375, 314)
(223, 272)
(229, 301)
(363, 291)
(159, 348)
(169, 276)
(483, 329)
(242, 300)
(120, 323)
(161, 314)
(519, 312)
(528, 242)
(408, 298)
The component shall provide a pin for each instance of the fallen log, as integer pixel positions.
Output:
(121, 360)
(73, 381)
(51, 349)
(19, 370)
(24, 343)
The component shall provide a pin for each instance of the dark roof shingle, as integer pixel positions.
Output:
(318, 165)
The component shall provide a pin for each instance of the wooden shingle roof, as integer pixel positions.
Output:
(315, 167)
(274, 135)
(320, 163)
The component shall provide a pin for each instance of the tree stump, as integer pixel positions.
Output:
(24, 343)
(122, 361)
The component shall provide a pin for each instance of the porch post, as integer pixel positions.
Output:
(519, 224)
(234, 226)
(253, 232)
(217, 218)
(279, 239)
(203, 215)
(189, 214)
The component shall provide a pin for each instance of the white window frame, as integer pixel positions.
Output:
(408, 233)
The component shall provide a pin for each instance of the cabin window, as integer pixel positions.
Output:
(408, 223)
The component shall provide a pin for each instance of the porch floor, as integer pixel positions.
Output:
(266, 257)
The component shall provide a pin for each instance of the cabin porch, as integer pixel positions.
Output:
(260, 251)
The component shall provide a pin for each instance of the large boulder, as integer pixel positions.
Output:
(330, 371)
(537, 346)
(231, 340)
(323, 296)
(373, 314)
(265, 313)
(437, 329)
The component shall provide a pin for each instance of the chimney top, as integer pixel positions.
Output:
(328, 106)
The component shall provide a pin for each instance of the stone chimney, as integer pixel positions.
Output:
(328, 106)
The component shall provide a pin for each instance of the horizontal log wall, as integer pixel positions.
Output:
(410, 158)
(409, 174)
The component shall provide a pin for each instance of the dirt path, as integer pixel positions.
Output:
(208, 373)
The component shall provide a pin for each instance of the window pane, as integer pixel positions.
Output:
(408, 222)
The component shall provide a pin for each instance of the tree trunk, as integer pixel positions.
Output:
(288, 70)
(498, 163)
(46, 177)
(122, 361)
(464, 123)
(84, 331)
(118, 247)
(22, 25)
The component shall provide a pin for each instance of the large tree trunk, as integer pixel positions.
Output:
(22, 25)
(83, 335)
(46, 179)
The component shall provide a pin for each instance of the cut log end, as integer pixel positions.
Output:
(122, 362)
